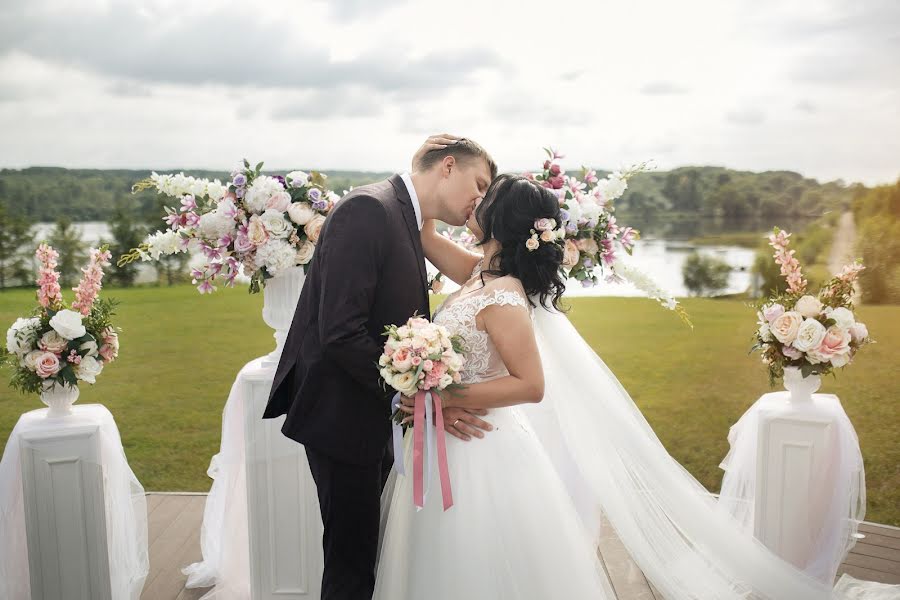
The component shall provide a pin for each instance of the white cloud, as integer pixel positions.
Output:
(751, 85)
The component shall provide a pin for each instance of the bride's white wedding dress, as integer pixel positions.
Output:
(513, 532)
(526, 497)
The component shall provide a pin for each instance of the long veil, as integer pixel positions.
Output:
(610, 459)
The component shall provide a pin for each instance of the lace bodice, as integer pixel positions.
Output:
(458, 314)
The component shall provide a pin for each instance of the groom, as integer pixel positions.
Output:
(368, 272)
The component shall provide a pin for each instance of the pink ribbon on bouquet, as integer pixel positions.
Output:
(420, 431)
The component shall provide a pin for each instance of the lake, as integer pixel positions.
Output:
(660, 253)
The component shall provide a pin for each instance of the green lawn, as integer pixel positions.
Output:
(180, 353)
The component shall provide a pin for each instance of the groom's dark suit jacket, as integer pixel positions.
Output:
(368, 271)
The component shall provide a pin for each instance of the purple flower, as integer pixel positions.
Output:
(280, 180)
(571, 227)
(564, 215)
(314, 195)
(239, 192)
(206, 287)
(225, 241)
(196, 273)
(587, 262)
(586, 283)
(240, 180)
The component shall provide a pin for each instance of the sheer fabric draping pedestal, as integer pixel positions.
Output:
(70, 507)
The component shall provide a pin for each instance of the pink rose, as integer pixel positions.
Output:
(555, 169)
(416, 361)
(53, 342)
(279, 201)
(836, 342)
(772, 312)
(242, 243)
(545, 224)
(47, 365)
(402, 361)
(314, 228)
(557, 182)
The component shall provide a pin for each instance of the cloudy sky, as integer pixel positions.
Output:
(810, 86)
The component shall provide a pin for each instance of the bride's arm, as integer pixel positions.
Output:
(447, 256)
(512, 332)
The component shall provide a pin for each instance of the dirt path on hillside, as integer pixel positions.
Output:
(842, 248)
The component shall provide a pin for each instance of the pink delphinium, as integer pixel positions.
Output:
(790, 266)
(49, 292)
(89, 287)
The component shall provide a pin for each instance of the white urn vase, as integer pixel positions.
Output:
(801, 388)
(59, 398)
(280, 298)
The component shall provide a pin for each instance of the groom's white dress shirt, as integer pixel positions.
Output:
(407, 179)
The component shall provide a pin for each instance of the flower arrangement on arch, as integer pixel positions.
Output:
(60, 344)
(258, 224)
(815, 333)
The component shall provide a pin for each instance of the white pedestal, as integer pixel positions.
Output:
(794, 478)
(284, 522)
(793, 454)
(65, 520)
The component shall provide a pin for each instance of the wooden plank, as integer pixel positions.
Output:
(153, 501)
(176, 544)
(874, 539)
(166, 512)
(627, 579)
(885, 530)
(170, 582)
(192, 594)
(879, 551)
(873, 563)
(868, 574)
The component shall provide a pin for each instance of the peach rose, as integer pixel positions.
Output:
(836, 342)
(314, 228)
(256, 232)
(279, 201)
(588, 245)
(53, 342)
(571, 255)
(786, 325)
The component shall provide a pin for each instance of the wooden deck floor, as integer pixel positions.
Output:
(174, 537)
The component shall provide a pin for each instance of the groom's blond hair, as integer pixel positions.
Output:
(464, 150)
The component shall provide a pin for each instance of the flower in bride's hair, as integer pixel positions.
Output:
(532, 244)
(548, 236)
(545, 224)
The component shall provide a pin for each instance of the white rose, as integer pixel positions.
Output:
(279, 201)
(18, 336)
(31, 359)
(305, 252)
(808, 306)
(274, 222)
(840, 360)
(67, 323)
(446, 380)
(843, 318)
(88, 369)
(297, 179)
(301, 212)
(406, 383)
(53, 342)
(859, 332)
(809, 335)
(90, 348)
(786, 325)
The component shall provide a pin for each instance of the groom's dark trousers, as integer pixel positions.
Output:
(368, 271)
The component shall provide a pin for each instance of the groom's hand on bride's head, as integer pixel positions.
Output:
(438, 141)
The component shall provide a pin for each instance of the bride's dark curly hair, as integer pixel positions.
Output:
(507, 214)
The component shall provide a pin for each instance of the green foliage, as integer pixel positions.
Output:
(877, 215)
(705, 275)
(16, 247)
(717, 191)
(127, 233)
(66, 240)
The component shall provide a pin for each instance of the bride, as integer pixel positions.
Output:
(567, 441)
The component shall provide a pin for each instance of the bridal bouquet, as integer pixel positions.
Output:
(59, 344)
(815, 333)
(420, 357)
(259, 223)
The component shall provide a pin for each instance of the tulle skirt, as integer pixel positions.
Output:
(512, 533)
